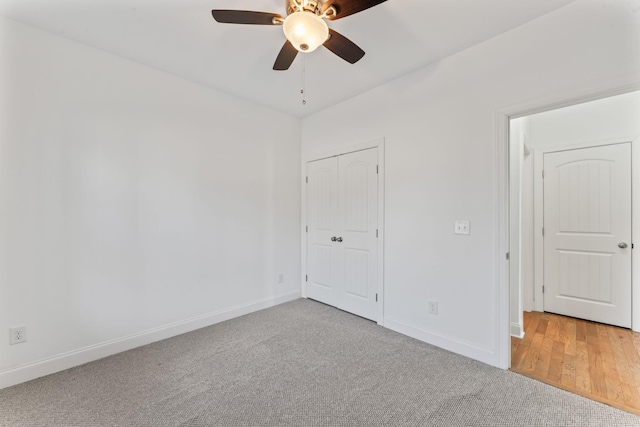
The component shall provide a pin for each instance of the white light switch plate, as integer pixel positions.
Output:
(462, 227)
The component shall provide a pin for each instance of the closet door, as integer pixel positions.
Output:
(357, 223)
(322, 206)
(342, 248)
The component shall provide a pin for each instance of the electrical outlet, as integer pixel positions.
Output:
(17, 335)
(462, 227)
(433, 307)
(280, 278)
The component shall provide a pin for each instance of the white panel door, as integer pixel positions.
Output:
(322, 206)
(587, 233)
(342, 247)
(357, 254)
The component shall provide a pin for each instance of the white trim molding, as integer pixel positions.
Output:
(446, 342)
(88, 354)
(502, 334)
(517, 330)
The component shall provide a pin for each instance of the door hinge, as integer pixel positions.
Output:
(376, 297)
(377, 169)
(306, 278)
(307, 228)
(543, 289)
(377, 236)
(507, 256)
(307, 179)
(543, 231)
(542, 173)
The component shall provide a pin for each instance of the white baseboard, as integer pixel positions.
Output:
(517, 330)
(84, 355)
(439, 340)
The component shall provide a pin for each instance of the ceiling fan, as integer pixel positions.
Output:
(305, 27)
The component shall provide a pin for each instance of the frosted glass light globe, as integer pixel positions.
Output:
(305, 30)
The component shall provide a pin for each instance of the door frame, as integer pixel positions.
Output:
(376, 143)
(502, 116)
(538, 203)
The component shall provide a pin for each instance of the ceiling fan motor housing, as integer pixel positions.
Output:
(313, 6)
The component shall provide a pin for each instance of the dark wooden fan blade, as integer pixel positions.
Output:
(286, 56)
(343, 47)
(247, 17)
(348, 7)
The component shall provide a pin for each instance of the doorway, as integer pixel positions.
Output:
(535, 141)
(573, 139)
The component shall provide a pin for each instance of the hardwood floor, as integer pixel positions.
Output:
(597, 361)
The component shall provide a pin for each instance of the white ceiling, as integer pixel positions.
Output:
(181, 37)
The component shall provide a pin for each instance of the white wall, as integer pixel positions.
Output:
(607, 119)
(134, 205)
(516, 158)
(439, 125)
(527, 232)
(601, 120)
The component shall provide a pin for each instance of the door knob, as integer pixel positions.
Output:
(339, 239)
(622, 245)
(334, 238)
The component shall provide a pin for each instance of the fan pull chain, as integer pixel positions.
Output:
(303, 82)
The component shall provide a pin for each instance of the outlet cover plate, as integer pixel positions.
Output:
(433, 307)
(17, 335)
(462, 227)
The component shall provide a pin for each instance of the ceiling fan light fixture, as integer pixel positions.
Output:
(305, 30)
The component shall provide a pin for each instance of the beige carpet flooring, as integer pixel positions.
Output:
(298, 364)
